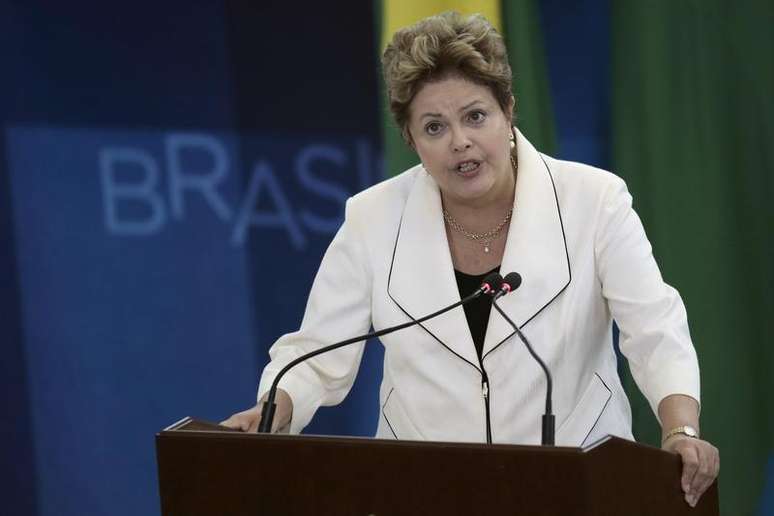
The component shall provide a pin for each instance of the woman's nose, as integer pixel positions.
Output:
(460, 141)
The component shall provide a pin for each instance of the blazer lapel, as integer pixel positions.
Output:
(536, 247)
(422, 275)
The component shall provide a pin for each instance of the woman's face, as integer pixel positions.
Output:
(463, 139)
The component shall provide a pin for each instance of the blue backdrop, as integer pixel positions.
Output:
(170, 175)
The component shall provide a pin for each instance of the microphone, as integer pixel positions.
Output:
(491, 283)
(511, 282)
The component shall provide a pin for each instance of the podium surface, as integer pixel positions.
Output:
(203, 471)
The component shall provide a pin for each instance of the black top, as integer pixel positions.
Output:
(477, 311)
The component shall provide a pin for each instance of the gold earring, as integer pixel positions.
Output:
(513, 140)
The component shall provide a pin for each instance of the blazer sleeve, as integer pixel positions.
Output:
(650, 314)
(339, 307)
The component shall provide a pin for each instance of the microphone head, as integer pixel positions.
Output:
(513, 280)
(492, 283)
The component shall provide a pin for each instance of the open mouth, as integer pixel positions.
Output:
(467, 168)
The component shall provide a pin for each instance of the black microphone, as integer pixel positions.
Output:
(511, 282)
(490, 284)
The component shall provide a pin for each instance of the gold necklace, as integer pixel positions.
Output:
(487, 237)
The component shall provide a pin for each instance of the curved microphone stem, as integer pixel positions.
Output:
(548, 417)
(267, 413)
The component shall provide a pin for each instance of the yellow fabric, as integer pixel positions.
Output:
(400, 13)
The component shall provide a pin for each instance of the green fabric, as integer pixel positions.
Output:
(398, 156)
(524, 40)
(534, 115)
(693, 135)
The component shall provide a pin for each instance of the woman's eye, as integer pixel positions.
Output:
(477, 116)
(433, 128)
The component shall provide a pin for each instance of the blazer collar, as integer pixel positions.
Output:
(536, 247)
(422, 277)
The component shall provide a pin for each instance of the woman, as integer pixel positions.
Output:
(484, 199)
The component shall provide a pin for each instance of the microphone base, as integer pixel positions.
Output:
(548, 430)
(267, 418)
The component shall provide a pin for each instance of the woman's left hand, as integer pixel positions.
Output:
(701, 464)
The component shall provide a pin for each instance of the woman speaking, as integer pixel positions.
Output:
(484, 199)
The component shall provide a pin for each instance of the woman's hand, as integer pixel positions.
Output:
(248, 420)
(701, 460)
(701, 464)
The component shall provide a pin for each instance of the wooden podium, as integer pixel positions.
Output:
(208, 470)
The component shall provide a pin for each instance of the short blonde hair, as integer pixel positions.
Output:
(441, 46)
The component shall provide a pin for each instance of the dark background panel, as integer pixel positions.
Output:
(144, 64)
(309, 67)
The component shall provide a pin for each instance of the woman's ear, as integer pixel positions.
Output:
(408, 139)
(511, 108)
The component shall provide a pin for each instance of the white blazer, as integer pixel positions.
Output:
(584, 259)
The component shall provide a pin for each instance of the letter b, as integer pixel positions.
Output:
(139, 193)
